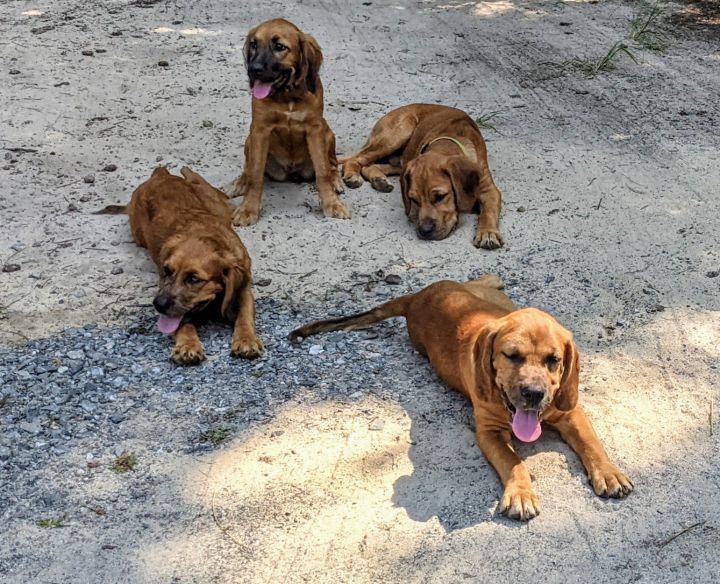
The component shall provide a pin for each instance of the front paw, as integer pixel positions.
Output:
(519, 501)
(247, 347)
(336, 210)
(488, 239)
(243, 216)
(188, 353)
(236, 188)
(353, 181)
(380, 183)
(610, 481)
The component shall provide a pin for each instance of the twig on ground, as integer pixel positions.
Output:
(683, 532)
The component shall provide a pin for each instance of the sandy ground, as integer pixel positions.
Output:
(610, 220)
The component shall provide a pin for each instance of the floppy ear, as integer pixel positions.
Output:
(465, 178)
(311, 59)
(566, 397)
(405, 187)
(235, 277)
(484, 370)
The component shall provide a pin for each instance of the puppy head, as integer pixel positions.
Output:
(532, 361)
(280, 57)
(434, 189)
(194, 273)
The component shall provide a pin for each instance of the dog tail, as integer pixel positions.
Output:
(112, 210)
(396, 307)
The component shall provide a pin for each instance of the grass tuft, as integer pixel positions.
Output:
(648, 28)
(606, 62)
(215, 436)
(125, 462)
(52, 522)
(483, 120)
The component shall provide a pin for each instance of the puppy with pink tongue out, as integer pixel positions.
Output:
(519, 368)
(289, 138)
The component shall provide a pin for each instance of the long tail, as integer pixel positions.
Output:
(396, 307)
(112, 210)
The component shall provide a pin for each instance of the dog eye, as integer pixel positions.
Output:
(279, 47)
(515, 358)
(439, 198)
(552, 361)
(193, 279)
(167, 272)
(253, 45)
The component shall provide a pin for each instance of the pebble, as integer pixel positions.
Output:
(110, 168)
(316, 349)
(163, 64)
(88, 52)
(117, 270)
(262, 282)
(17, 247)
(14, 72)
(393, 279)
(89, 179)
(11, 268)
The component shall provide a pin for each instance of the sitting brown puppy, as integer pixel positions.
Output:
(441, 158)
(289, 137)
(518, 367)
(184, 222)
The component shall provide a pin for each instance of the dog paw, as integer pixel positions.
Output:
(520, 502)
(188, 354)
(235, 188)
(336, 210)
(488, 239)
(609, 481)
(353, 181)
(381, 184)
(243, 216)
(338, 186)
(247, 347)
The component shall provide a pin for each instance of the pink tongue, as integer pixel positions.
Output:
(168, 324)
(261, 90)
(526, 425)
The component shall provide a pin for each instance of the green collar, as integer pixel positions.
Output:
(455, 141)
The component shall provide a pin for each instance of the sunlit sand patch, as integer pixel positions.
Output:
(316, 482)
(494, 8)
(197, 31)
(33, 12)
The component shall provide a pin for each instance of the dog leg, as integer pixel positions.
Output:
(519, 500)
(321, 144)
(245, 342)
(488, 234)
(377, 175)
(252, 178)
(188, 349)
(606, 479)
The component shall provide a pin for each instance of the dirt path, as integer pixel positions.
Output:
(610, 220)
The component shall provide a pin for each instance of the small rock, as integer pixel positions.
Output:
(110, 168)
(262, 282)
(76, 354)
(163, 64)
(14, 72)
(117, 270)
(97, 372)
(521, 209)
(207, 124)
(88, 52)
(30, 427)
(377, 424)
(712, 274)
(316, 349)
(17, 247)
(116, 418)
(5, 453)
(73, 208)
(393, 279)
(88, 406)
(11, 268)
(89, 179)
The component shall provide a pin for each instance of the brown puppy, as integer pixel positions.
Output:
(289, 137)
(518, 367)
(184, 222)
(441, 157)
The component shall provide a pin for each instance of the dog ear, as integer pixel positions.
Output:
(311, 59)
(485, 384)
(566, 397)
(465, 178)
(405, 187)
(235, 278)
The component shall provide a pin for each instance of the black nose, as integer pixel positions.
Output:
(532, 395)
(162, 303)
(425, 229)
(256, 68)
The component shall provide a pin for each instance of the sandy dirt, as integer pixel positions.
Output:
(610, 220)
